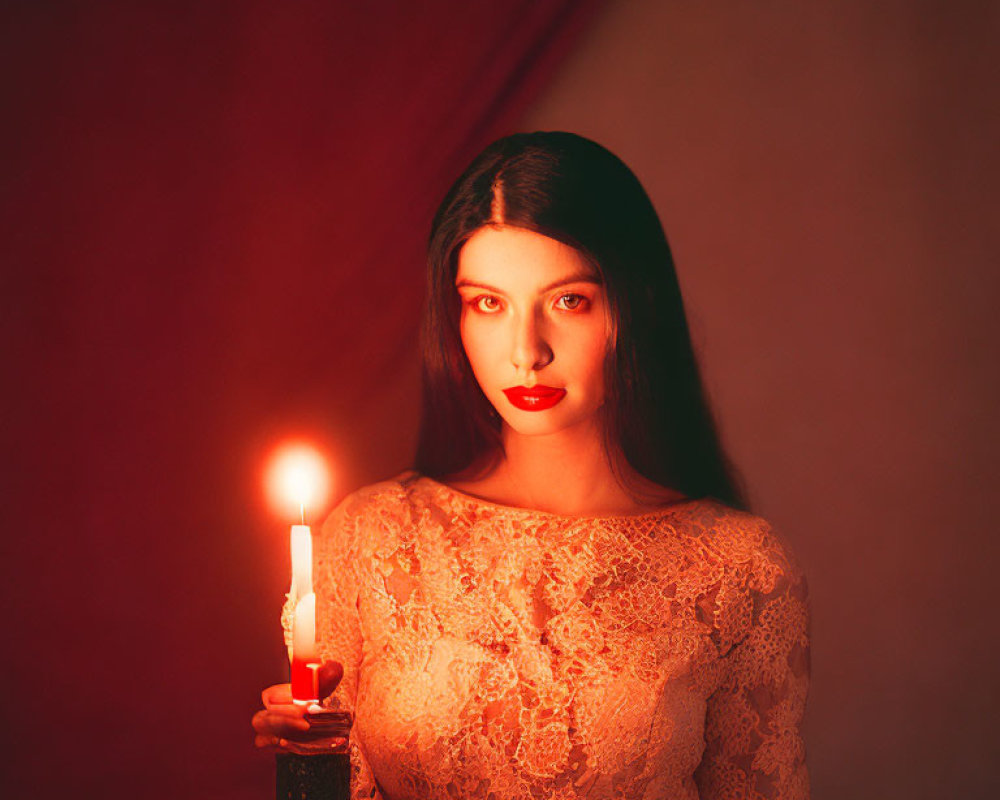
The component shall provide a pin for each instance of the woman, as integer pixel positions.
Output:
(566, 598)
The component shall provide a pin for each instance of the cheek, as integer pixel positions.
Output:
(477, 344)
(587, 354)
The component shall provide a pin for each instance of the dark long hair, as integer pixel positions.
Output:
(571, 189)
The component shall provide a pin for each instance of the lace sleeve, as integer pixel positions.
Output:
(753, 746)
(338, 575)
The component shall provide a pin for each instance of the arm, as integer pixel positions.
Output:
(753, 746)
(338, 578)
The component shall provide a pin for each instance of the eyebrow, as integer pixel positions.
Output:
(577, 277)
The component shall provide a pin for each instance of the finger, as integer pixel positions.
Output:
(279, 722)
(274, 742)
(259, 722)
(330, 674)
(290, 724)
(290, 713)
(265, 740)
(280, 693)
(289, 730)
(266, 720)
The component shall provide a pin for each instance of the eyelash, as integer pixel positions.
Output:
(581, 303)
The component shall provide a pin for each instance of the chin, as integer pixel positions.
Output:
(531, 428)
(543, 423)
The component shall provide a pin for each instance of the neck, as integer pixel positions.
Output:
(568, 472)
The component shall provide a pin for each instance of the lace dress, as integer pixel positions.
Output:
(497, 652)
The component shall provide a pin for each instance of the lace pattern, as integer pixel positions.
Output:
(496, 652)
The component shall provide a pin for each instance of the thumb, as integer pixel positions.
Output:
(328, 677)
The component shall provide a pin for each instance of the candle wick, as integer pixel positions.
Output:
(302, 512)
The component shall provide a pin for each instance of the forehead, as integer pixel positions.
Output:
(519, 258)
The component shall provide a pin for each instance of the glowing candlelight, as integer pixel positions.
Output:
(297, 477)
(298, 474)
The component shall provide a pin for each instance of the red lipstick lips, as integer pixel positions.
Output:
(538, 398)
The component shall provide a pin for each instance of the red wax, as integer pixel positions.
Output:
(304, 674)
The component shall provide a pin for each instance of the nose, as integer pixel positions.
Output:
(530, 351)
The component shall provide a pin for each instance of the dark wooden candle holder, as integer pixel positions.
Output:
(319, 769)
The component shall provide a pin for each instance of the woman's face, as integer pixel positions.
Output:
(535, 326)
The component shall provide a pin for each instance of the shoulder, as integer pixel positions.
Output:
(384, 495)
(763, 590)
(748, 544)
(368, 517)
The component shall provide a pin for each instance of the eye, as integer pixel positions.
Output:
(487, 304)
(571, 302)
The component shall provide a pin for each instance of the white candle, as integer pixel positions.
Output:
(298, 473)
(302, 654)
(302, 582)
(304, 629)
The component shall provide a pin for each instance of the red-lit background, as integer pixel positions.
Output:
(220, 214)
(213, 220)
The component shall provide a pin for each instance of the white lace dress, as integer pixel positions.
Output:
(497, 652)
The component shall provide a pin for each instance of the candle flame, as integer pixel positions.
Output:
(297, 477)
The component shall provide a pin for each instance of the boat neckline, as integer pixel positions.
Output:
(471, 498)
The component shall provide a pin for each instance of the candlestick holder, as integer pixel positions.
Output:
(320, 768)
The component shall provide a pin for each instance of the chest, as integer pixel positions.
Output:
(598, 592)
(525, 655)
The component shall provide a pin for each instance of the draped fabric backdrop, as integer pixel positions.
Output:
(215, 218)
(212, 232)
